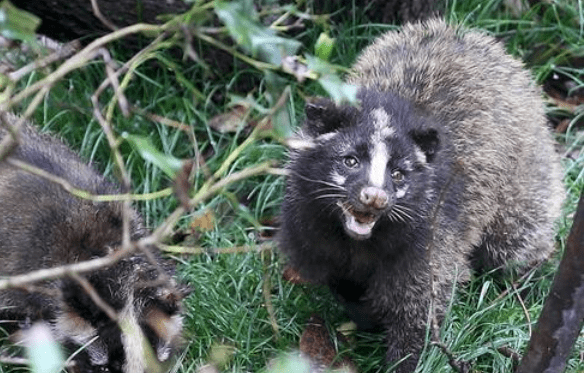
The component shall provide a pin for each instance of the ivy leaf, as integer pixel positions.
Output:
(261, 42)
(17, 24)
(167, 163)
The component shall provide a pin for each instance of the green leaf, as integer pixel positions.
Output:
(242, 22)
(272, 48)
(17, 24)
(167, 163)
(324, 46)
(281, 118)
(338, 90)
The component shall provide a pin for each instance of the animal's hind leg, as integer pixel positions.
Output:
(513, 241)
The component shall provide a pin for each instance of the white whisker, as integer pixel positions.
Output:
(330, 196)
(318, 181)
(401, 213)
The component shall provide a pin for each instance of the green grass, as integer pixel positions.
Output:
(228, 306)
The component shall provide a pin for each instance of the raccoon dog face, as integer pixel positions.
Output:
(372, 163)
(149, 314)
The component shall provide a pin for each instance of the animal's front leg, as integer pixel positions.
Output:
(405, 340)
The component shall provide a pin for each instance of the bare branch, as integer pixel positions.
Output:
(65, 270)
(83, 193)
(266, 246)
(91, 291)
(266, 291)
(113, 79)
(64, 52)
(81, 58)
(14, 360)
(101, 17)
(203, 194)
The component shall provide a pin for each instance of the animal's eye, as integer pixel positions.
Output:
(351, 161)
(397, 176)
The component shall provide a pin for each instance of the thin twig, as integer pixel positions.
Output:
(511, 354)
(165, 228)
(105, 123)
(142, 54)
(81, 193)
(455, 363)
(101, 17)
(43, 86)
(64, 52)
(266, 291)
(160, 119)
(112, 142)
(527, 316)
(515, 284)
(197, 250)
(113, 79)
(91, 291)
(154, 238)
(82, 57)
(64, 270)
(14, 360)
(251, 61)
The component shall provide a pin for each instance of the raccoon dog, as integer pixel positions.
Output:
(446, 165)
(43, 226)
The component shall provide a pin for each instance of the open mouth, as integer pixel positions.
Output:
(358, 224)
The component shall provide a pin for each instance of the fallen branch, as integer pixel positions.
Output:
(196, 250)
(562, 316)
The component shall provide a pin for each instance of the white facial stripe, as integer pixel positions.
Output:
(338, 179)
(387, 132)
(379, 157)
(382, 125)
(380, 119)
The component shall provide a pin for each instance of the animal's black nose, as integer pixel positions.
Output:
(374, 197)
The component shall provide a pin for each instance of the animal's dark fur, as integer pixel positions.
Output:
(43, 226)
(447, 122)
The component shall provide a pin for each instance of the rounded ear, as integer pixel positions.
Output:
(427, 140)
(323, 116)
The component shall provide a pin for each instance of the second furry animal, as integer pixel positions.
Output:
(446, 165)
(43, 226)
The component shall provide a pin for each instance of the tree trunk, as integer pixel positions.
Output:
(563, 312)
(382, 11)
(65, 20)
